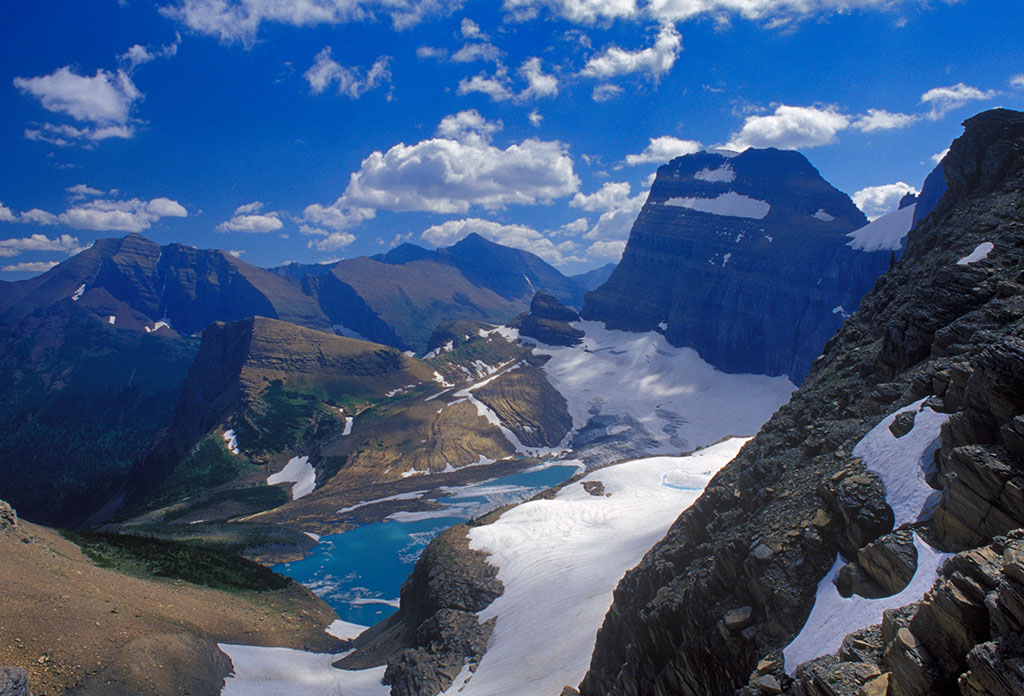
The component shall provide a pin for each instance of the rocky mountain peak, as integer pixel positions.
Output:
(745, 258)
(548, 322)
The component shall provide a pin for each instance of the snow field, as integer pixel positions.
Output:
(561, 559)
(285, 672)
(730, 204)
(298, 471)
(886, 232)
(682, 401)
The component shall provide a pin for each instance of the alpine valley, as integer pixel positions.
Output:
(776, 449)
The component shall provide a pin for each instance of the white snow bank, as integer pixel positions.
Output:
(231, 440)
(886, 232)
(77, 294)
(342, 330)
(823, 215)
(363, 503)
(349, 420)
(724, 173)
(730, 204)
(980, 253)
(682, 401)
(299, 471)
(111, 320)
(345, 630)
(833, 617)
(560, 561)
(903, 463)
(285, 672)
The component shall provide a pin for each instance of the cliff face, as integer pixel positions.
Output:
(744, 258)
(736, 576)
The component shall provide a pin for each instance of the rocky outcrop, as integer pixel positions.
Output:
(769, 525)
(548, 322)
(745, 258)
(436, 630)
(528, 405)
(13, 682)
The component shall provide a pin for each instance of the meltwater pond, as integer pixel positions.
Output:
(359, 573)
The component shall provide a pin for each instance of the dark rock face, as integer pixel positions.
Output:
(758, 288)
(13, 682)
(548, 322)
(929, 328)
(141, 283)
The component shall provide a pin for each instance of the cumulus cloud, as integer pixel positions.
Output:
(352, 82)
(424, 52)
(517, 236)
(535, 118)
(663, 149)
(473, 52)
(495, 86)
(248, 218)
(790, 127)
(876, 201)
(578, 11)
(332, 242)
(611, 249)
(655, 60)
(39, 242)
(29, 267)
(606, 92)
(942, 100)
(103, 102)
(939, 156)
(452, 172)
(1017, 81)
(471, 30)
(79, 191)
(132, 215)
(538, 83)
(35, 216)
(6, 215)
(240, 20)
(138, 54)
(618, 210)
(880, 119)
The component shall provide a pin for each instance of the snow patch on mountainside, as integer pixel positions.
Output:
(285, 672)
(298, 471)
(833, 616)
(561, 559)
(729, 204)
(887, 232)
(680, 401)
(980, 253)
(904, 463)
(231, 440)
(723, 173)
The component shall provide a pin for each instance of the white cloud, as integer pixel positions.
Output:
(663, 149)
(496, 86)
(248, 218)
(655, 60)
(64, 135)
(240, 20)
(35, 216)
(237, 253)
(880, 119)
(1017, 81)
(39, 242)
(535, 118)
(476, 51)
(138, 54)
(79, 191)
(337, 216)
(103, 99)
(790, 127)
(517, 236)
(453, 172)
(938, 156)
(332, 242)
(6, 215)
(424, 52)
(132, 215)
(471, 30)
(606, 92)
(29, 267)
(579, 11)
(352, 82)
(945, 99)
(538, 83)
(606, 249)
(576, 226)
(876, 201)
(618, 212)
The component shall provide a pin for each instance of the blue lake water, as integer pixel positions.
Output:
(359, 573)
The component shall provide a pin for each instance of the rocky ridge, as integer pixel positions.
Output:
(745, 258)
(733, 581)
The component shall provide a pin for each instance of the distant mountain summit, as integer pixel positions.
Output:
(746, 258)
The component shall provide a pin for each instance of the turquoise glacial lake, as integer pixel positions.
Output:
(359, 573)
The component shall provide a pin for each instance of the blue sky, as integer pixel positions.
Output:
(324, 129)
